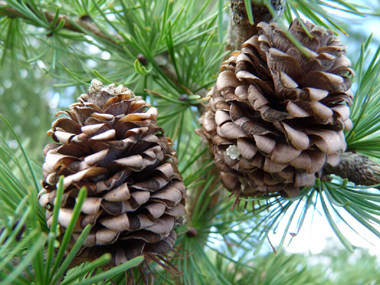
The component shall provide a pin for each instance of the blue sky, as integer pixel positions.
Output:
(316, 234)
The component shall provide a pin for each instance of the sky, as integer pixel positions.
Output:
(315, 235)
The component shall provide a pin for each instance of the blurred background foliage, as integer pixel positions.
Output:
(45, 67)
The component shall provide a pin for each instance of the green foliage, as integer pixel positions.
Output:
(332, 266)
(283, 269)
(318, 13)
(168, 52)
(363, 137)
(342, 267)
(210, 244)
(23, 102)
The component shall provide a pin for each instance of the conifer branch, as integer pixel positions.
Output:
(87, 24)
(357, 168)
(83, 22)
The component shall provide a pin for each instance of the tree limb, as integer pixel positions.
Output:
(239, 28)
(357, 168)
(86, 24)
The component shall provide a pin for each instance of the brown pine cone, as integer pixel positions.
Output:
(276, 116)
(111, 145)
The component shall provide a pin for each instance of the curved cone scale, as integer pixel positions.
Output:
(265, 144)
(156, 210)
(328, 141)
(297, 139)
(302, 161)
(287, 173)
(321, 110)
(304, 179)
(68, 125)
(140, 221)
(256, 98)
(297, 111)
(230, 180)
(91, 205)
(108, 135)
(106, 236)
(276, 116)
(318, 159)
(280, 61)
(63, 137)
(209, 123)
(96, 157)
(268, 179)
(291, 191)
(53, 161)
(163, 245)
(247, 148)
(116, 223)
(120, 193)
(283, 153)
(221, 117)
(90, 173)
(169, 195)
(333, 159)
(348, 125)
(230, 131)
(177, 211)
(164, 225)
(111, 145)
(315, 94)
(257, 177)
(242, 92)
(273, 167)
(120, 257)
(227, 79)
(342, 111)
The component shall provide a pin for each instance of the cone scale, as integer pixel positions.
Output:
(111, 145)
(276, 116)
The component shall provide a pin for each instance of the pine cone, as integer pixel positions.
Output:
(276, 116)
(135, 195)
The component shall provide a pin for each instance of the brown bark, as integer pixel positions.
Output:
(239, 29)
(356, 168)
